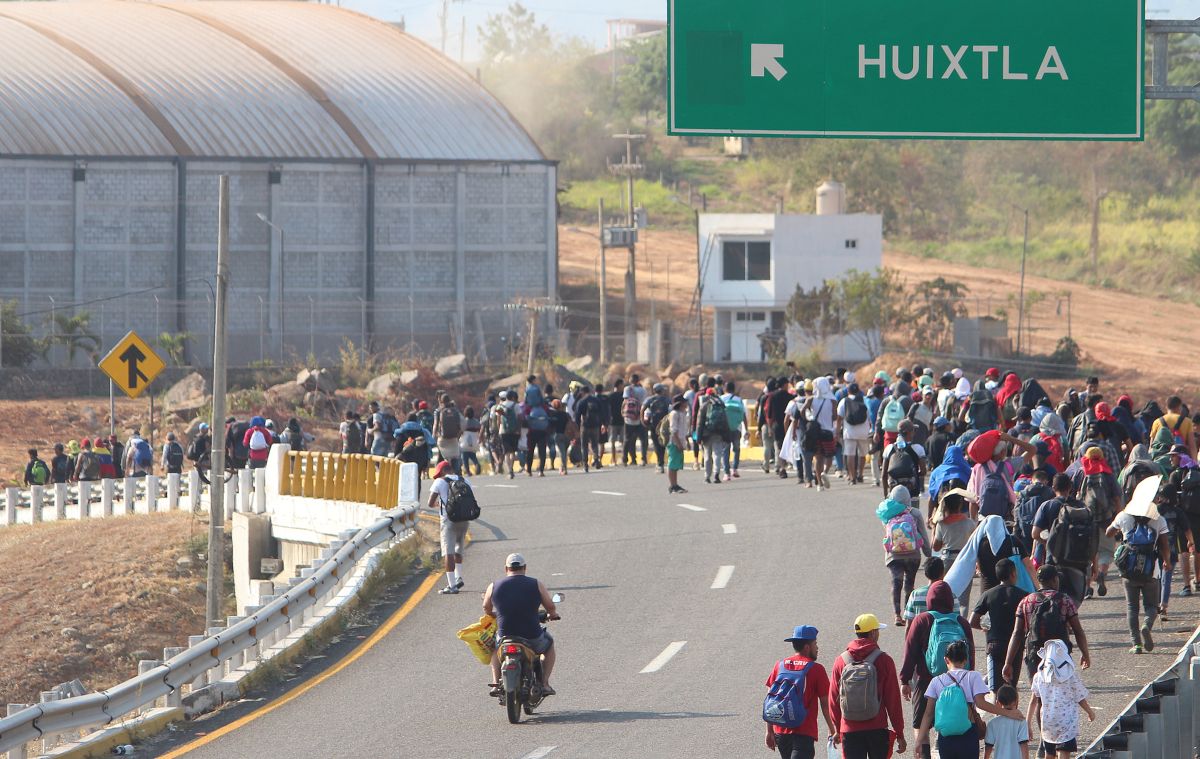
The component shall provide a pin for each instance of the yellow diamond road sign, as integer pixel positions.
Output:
(132, 364)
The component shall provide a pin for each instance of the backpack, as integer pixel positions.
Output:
(1032, 498)
(952, 710)
(664, 430)
(856, 411)
(982, 412)
(656, 409)
(1136, 556)
(1136, 472)
(389, 424)
(295, 440)
(533, 397)
(1095, 496)
(858, 687)
(451, 422)
(91, 466)
(631, 411)
(509, 423)
(1073, 538)
(900, 534)
(1046, 622)
(354, 438)
(258, 441)
(1189, 491)
(735, 411)
(784, 704)
(239, 449)
(1175, 429)
(1032, 394)
(944, 631)
(993, 496)
(461, 505)
(902, 464)
(539, 420)
(174, 457)
(142, 455)
(716, 421)
(892, 415)
(39, 472)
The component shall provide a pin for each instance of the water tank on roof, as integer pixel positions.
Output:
(831, 198)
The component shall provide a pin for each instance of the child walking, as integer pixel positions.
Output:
(953, 702)
(1058, 694)
(1007, 738)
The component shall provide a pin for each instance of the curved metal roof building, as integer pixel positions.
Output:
(378, 192)
(264, 79)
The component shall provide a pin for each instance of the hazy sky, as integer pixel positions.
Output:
(583, 18)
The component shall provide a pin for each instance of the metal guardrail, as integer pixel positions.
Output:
(1161, 721)
(226, 646)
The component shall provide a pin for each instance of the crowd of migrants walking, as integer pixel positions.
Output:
(991, 479)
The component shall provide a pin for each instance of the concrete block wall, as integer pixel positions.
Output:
(450, 240)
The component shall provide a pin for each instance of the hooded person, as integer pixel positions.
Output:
(1010, 387)
(820, 410)
(1052, 430)
(1122, 414)
(939, 602)
(869, 734)
(1057, 694)
(905, 540)
(992, 538)
(954, 467)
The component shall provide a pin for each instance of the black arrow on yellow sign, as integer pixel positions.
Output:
(131, 357)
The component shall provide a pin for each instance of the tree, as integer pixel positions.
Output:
(174, 344)
(17, 346)
(72, 333)
(936, 304)
(642, 86)
(513, 34)
(861, 305)
(817, 312)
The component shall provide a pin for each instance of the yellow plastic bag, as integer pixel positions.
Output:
(480, 637)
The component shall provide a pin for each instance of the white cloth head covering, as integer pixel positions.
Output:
(1052, 424)
(963, 389)
(1142, 503)
(1057, 664)
(822, 389)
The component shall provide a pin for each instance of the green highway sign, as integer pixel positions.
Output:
(1022, 69)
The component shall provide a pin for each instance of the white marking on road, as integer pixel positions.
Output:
(661, 660)
(729, 528)
(493, 485)
(539, 753)
(724, 574)
(607, 492)
(690, 507)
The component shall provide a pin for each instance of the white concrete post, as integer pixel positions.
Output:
(238, 658)
(194, 487)
(17, 752)
(12, 497)
(254, 652)
(60, 500)
(173, 486)
(202, 678)
(85, 499)
(48, 739)
(144, 666)
(129, 496)
(217, 671)
(245, 483)
(175, 697)
(409, 483)
(260, 490)
(35, 504)
(107, 486)
(230, 498)
(151, 493)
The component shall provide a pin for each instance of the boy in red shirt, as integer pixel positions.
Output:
(867, 738)
(800, 742)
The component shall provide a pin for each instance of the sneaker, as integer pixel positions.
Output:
(735, 474)
(726, 478)
(1147, 639)
(708, 480)
(495, 689)
(449, 590)
(661, 470)
(1089, 592)
(680, 490)
(1185, 591)
(548, 691)
(1102, 590)
(1162, 614)
(782, 474)
(820, 488)
(459, 585)
(1135, 650)
(825, 480)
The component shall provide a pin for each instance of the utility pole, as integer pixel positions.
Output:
(603, 291)
(444, 18)
(535, 311)
(216, 492)
(1021, 295)
(628, 169)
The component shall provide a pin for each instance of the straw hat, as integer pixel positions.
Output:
(1142, 502)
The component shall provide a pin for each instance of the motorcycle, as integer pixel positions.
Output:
(521, 673)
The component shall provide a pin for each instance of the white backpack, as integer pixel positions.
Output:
(258, 441)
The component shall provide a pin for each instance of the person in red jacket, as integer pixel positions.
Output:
(940, 599)
(870, 738)
(258, 439)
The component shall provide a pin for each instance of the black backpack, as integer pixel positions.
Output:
(1046, 622)
(174, 457)
(1032, 498)
(1189, 492)
(1073, 537)
(982, 412)
(1095, 496)
(856, 411)
(461, 505)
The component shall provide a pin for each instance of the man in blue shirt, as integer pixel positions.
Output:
(514, 600)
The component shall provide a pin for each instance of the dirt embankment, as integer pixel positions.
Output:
(89, 599)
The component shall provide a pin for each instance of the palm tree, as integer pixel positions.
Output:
(72, 333)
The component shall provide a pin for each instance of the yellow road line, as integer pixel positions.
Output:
(299, 691)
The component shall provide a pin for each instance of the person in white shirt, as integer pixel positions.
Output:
(856, 431)
(453, 534)
(1147, 549)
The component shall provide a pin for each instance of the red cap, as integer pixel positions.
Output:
(1104, 412)
(992, 372)
(86, 442)
(442, 468)
(1125, 400)
(422, 405)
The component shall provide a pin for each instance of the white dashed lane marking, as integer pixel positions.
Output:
(607, 492)
(690, 507)
(539, 753)
(729, 528)
(724, 574)
(661, 660)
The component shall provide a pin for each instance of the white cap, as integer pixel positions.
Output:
(514, 560)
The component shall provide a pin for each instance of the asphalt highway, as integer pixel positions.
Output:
(675, 609)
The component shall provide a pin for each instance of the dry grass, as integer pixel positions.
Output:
(88, 599)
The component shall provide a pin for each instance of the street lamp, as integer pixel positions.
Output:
(275, 227)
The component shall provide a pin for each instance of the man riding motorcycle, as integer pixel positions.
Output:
(514, 601)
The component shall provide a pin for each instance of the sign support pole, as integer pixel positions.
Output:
(603, 292)
(112, 409)
(216, 494)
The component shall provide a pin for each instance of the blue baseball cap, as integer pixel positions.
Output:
(941, 421)
(802, 632)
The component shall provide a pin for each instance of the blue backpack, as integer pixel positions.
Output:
(1135, 558)
(735, 412)
(142, 455)
(951, 711)
(784, 704)
(1032, 498)
(993, 496)
(538, 419)
(945, 630)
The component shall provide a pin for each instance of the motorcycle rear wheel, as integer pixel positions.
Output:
(512, 703)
